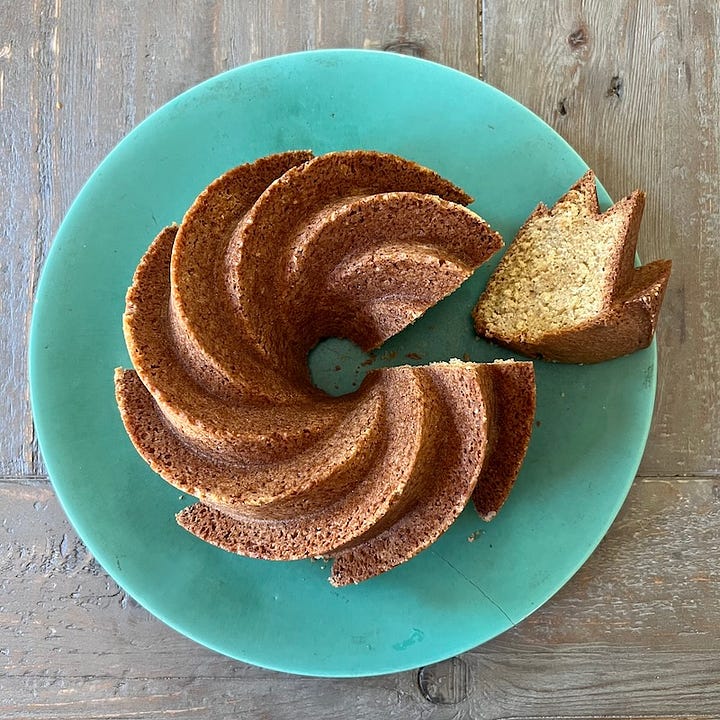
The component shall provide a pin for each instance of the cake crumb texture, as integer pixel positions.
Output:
(567, 289)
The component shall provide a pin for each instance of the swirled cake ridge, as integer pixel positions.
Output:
(272, 257)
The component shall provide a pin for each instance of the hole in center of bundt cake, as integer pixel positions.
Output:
(338, 366)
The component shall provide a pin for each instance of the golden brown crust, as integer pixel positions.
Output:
(458, 444)
(292, 214)
(221, 315)
(627, 325)
(478, 420)
(202, 325)
(482, 443)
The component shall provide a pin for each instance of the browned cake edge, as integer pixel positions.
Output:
(449, 477)
(511, 408)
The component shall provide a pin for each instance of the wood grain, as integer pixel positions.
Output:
(635, 88)
(441, 30)
(636, 632)
(21, 219)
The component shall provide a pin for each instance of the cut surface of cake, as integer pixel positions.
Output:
(567, 289)
(223, 309)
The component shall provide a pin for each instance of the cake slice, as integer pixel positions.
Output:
(511, 404)
(480, 451)
(567, 289)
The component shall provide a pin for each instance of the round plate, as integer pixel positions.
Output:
(476, 581)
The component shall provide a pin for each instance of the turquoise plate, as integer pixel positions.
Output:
(478, 579)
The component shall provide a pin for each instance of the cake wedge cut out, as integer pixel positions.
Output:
(567, 289)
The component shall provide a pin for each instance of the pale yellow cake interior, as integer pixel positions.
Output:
(554, 274)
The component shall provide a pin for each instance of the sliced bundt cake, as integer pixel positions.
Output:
(271, 258)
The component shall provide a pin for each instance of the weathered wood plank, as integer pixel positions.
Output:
(636, 632)
(284, 698)
(635, 88)
(440, 30)
(24, 163)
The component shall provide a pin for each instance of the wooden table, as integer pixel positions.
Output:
(635, 87)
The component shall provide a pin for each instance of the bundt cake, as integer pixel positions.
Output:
(567, 289)
(222, 312)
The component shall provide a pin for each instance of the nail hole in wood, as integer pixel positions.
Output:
(445, 683)
(405, 47)
(578, 39)
(688, 73)
(562, 107)
(616, 87)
